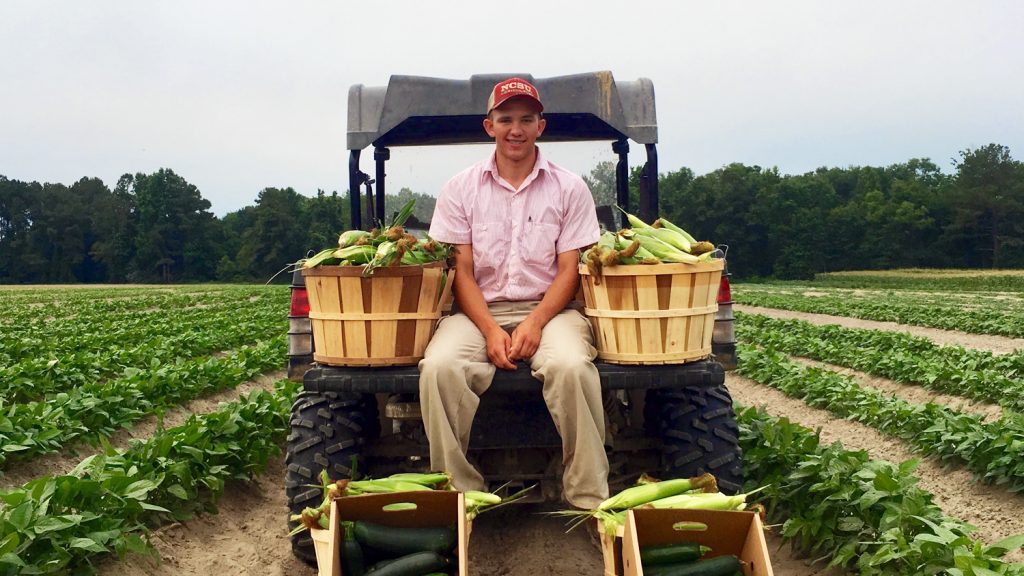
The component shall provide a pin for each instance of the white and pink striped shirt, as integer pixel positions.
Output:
(516, 234)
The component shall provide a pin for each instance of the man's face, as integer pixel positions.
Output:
(515, 127)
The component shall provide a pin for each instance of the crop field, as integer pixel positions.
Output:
(915, 385)
(109, 420)
(883, 424)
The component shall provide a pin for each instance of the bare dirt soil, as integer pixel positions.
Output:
(248, 535)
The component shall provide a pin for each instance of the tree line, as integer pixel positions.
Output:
(158, 227)
(857, 218)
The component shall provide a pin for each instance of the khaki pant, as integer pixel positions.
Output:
(456, 371)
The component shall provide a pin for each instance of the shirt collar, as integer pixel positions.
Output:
(541, 163)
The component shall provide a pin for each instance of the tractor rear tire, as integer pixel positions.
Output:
(328, 432)
(699, 434)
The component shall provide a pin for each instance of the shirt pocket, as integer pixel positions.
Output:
(538, 244)
(490, 244)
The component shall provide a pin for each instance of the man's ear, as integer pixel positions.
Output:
(541, 124)
(489, 126)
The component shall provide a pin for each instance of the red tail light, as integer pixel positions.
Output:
(300, 302)
(724, 291)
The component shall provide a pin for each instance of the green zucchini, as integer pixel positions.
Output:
(402, 541)
(671, 553)
(415, 564)
(352, 563)
(377, 566)
(726, 565)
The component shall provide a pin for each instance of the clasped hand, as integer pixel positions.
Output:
(504, 349)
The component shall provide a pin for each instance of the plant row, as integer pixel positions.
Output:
(994, 451)
(97, 331)
(58, 302)
(114, 333)
(178, 337)
(977, 320)
(960, 281)
(865, 515)
(994, 301)
(64, 293)
(990, 303)
(97, 410)
(974, 374)
(65, 524)
(57, 293)
(80, 317)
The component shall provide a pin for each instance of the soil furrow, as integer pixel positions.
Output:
(987, 342)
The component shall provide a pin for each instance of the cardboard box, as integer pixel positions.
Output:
(433, 508)
(739, 533)
(611, 550)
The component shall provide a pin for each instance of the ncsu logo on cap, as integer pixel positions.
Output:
(515, 85)
(509, 89)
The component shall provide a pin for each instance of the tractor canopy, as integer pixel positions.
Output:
(421, 111)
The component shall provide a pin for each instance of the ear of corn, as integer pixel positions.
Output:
(700, 492)
(319, 518)
(416, 255)
(592, 256)
(667, 236)
(644, 493)
(630, 250)
(703, 501)
(351, 237)
(634, 221)
(384, 485)
(385, 255)
(645, 255)
(698, 248)
(322, 257)
(381, 246)
(666, 224)
(355, 254)
(643, 245)
(398, 506)
(609, 257)
(482, 497)
(427, 479)
(394, 234)
(663, 251)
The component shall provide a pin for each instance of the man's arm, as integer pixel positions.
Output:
(472, 304)
(526, 336)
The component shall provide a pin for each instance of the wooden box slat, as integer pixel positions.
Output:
(384, 320)
(356, 332)
(653, 314)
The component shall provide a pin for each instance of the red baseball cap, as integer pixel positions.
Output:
(510, 89)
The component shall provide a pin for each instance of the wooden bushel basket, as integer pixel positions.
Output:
(384, 320)
(653, 314)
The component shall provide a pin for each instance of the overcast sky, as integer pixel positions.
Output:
(236, 96)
